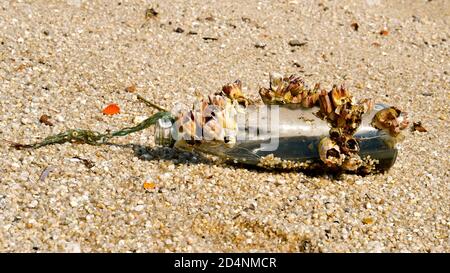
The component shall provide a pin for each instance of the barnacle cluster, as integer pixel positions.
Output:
(233, 91)
(213, 118)
(391, 119)
(337, 107)
(289, 90)
(344, 115)
(342, 112)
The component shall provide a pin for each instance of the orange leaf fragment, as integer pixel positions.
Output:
(149, 186)
(111, 109)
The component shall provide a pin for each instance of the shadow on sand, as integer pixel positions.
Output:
(179, 157)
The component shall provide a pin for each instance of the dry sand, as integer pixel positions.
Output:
(69, 59)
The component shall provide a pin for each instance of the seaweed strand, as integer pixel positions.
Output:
(91, 137)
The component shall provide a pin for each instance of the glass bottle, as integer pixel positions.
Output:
(295, 140)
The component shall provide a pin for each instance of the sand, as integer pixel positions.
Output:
(69, 59)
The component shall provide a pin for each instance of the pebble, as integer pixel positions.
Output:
(25, 120)
(139, 119)
(71, 247)
(59, 118)
(139, 208)
(33, 204)
(178, 30)
(260, 45)
(297, 43)
(74, 202)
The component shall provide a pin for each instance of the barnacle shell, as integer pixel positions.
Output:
(329, 152)
(311, 97)
(350, 145)
(212, 130)
(234, 92)
(276, 81)
(367, 104)
(212, 118)
(340, 96)
(326, 106)
(289, 90)
(390, 119)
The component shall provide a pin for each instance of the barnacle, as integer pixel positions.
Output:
(212, 130)
(344, 116)
(391, 119)
(339, 109)
(329, 152)
(340, 96)
(349, 145)
(326, 106)
(234, 92)
(289, 90)
(212, 118)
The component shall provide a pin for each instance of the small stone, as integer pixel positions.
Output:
(59, 118)
(367, 221)
(73, 202)
(260, 45)
(208, 38)
(150, 13)
(139, 119)
(72, 247)
(297, 64)
(131, 88)
(25, 121)
(178, 30)
(149, 185)
(384, 32)
(417, 126)
(297, 43)
(33, 204)
(139, 208)
(45, 119)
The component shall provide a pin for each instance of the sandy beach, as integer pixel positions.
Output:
(70, 59)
